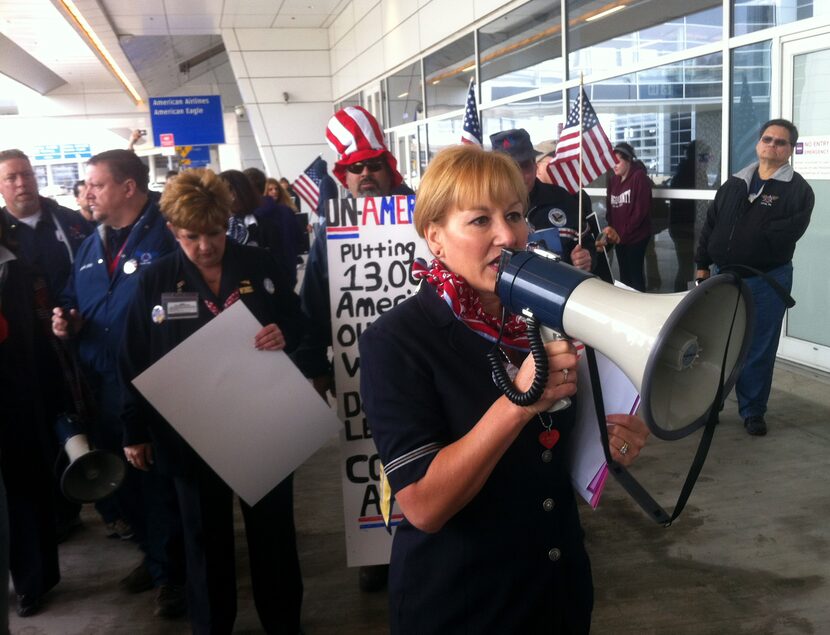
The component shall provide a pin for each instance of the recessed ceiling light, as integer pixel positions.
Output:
(93, 39)
(402, 95)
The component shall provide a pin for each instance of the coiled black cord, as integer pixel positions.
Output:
(540, 359)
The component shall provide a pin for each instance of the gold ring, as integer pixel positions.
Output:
(624, 448)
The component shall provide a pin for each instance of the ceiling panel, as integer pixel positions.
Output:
(44, 31)
(312, 20)
(262, 7)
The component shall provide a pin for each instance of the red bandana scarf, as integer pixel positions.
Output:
(465, 303)
(233, 297)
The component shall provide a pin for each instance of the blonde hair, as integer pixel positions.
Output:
(463, 176)
(197, 200)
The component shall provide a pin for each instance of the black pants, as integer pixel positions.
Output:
(630, 259)
(206, 504)
(33, 547)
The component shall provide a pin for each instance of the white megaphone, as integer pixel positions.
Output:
(91, 474)
(673, 347)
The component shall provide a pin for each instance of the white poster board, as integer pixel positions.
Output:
(371, 246)
(250, 414)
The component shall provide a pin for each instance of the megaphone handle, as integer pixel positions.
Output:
(540, 378)
(552, 335)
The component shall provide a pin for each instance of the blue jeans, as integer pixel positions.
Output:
(755, 381)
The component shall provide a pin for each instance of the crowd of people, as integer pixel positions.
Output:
(491, 539)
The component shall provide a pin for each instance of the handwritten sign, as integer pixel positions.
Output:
(371, 246)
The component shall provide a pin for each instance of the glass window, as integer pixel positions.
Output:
(65, 175)
(403, 93)
(806, 320)
(443, 133)
(447, 76)
(541, 116)
(521, 51)
(352, 100)
(601, 40)
(749, 16)
(666, 114)
(410, 150)
(41, 176)
(751, 72)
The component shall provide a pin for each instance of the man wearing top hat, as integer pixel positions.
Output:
(365, 167)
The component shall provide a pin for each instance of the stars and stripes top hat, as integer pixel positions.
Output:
(355, 135)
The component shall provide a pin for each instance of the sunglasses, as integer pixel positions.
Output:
(778, 143)
(374, 165)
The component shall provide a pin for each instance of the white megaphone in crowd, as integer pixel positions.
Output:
(91, 474)
(673, 347)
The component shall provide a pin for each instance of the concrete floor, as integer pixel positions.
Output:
(750, 554)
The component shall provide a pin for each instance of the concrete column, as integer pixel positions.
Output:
(284, 78)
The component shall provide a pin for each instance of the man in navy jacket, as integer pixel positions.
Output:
(131, 235)
(46, 234)
(755, 220)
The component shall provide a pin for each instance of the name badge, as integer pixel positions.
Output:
(180, 306)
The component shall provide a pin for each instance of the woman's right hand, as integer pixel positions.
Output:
(562, 375)
(140, 455)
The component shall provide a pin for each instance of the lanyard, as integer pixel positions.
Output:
(112, 264)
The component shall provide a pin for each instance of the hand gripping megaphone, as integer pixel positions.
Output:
(91, 474)
(675, 348)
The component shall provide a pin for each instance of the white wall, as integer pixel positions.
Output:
(268, 63)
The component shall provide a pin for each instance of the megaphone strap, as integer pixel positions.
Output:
(779, 289)
(629, 483)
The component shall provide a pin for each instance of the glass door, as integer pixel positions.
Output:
(409, 150)
(806, 101)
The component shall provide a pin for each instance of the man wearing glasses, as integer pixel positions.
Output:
(365, 167)
(752, 225)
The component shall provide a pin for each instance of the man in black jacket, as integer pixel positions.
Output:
(553, 212)
(755, 220)
(366, 168)
(45, 236)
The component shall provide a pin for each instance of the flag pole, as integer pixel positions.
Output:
(579, 191)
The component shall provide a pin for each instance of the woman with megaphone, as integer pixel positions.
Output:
(491, 541)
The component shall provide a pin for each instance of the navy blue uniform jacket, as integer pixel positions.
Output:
(52, 260)
(103, 301)
(554, 208)
(244, 268)
(504, 563)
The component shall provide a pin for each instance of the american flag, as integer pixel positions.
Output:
(307, 184)
(597, 156)
(472, 128)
